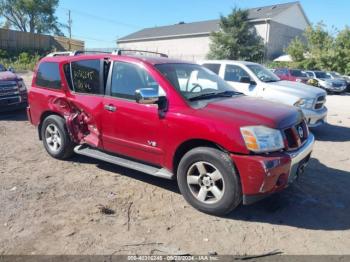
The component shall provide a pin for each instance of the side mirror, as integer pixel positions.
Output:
(245, 80)
(147, 96)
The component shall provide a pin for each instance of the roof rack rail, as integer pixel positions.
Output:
(64, 53)
(75, 53)
(115, 52)
(121, 51)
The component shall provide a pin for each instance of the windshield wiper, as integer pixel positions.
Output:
(215, 94)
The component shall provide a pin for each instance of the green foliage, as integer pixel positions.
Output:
(24, 60)
(296, 49)
(322, 50)
(35, 16)
(342, 51)
(237, 39)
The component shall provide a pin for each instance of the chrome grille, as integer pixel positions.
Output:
(337, 84)
(8, 88)
(296, 136)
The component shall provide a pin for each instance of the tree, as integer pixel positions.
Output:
(237, 39)
(342, 51)
(35, 16)
(320, 45)
(296, 49)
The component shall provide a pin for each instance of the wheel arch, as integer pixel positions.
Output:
(188, 145)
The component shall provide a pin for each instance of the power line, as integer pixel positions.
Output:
(95, 39)
(102, 18)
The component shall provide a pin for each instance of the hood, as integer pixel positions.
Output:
(330, 80)
(296, 89)
(245, 110)
(7, 75)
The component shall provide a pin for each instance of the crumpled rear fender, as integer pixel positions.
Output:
(81, 126)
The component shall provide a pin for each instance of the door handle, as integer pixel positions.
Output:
(110, 108)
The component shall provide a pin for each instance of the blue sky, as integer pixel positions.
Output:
(100, 23)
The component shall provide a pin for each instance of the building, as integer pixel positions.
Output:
(276, 24)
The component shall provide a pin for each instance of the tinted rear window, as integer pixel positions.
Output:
(48, 75)
(297, 73)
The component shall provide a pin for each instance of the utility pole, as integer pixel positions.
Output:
(69, 25)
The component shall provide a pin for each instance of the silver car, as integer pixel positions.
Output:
(325, 81)
(255, 80)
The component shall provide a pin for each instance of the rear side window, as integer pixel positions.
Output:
(215, 68)
(87, 77)
(48, 75)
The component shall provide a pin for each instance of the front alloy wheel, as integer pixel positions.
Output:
(208, 180)
(205, 182)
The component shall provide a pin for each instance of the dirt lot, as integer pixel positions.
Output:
(53, 207)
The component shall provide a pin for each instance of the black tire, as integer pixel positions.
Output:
(232, 192)
(66, 148)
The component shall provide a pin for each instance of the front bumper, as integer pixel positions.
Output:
(315, 118)
(262, 175)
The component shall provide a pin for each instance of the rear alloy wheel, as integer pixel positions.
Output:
(208, 181)
(55, 137)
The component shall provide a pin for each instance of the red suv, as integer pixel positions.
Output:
(294, 75)
(170, 119)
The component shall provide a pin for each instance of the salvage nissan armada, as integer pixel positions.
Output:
(171, 119)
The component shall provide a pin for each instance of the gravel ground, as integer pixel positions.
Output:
(54, 207)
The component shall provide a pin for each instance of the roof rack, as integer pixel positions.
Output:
(121, 51)
(115, 52)
(66, 53)
(75, 53)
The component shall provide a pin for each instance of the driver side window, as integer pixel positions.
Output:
(127, 78)
(234, 73)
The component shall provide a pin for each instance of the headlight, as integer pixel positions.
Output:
(21, 86)
(262, 139)
(305, 103)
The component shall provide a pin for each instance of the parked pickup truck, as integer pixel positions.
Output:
(255, 80)
(13, 92)
(138, 112)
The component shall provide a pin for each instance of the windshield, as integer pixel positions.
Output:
(297, 73)
(321, 75)
(335, 75)
(263, 74)
(195, 81)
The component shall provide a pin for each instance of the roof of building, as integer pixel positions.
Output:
(204, 27)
